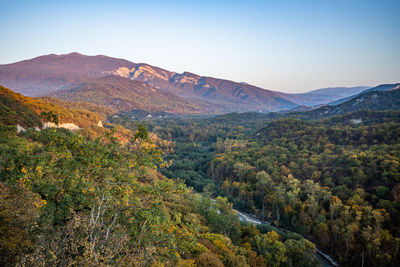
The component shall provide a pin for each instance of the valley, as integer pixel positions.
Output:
(200, 133)
(282, 174)
(122, 163)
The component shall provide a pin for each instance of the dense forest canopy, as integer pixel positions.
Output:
(335, 181)
(159, 189)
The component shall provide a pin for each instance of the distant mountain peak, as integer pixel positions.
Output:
(74, 54)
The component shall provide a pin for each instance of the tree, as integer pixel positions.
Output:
(270, 247)
(19, 209)
(49, 116)
(301, 253)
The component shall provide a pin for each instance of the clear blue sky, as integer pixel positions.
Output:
(291, 46)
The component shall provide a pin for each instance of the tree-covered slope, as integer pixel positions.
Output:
(13, 111)
(19, 109)
(370, 100)
(381, 87)
(336, 183)
(68, 200)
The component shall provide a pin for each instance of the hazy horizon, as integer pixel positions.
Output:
(278, 45)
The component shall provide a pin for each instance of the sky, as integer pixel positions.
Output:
(285, 45)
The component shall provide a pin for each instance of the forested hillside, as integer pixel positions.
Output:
(26, 111)
(336, 185)
(373, 100)
(381, 87)
(116, 195)
(335, 181)
(370, 100)
(96, 198)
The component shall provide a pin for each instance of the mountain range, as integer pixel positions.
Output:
(123, 85)
(381, 87)
(371, 99)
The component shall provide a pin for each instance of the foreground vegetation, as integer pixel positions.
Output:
(68, 200)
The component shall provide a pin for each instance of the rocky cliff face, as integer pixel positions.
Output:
(234, 96)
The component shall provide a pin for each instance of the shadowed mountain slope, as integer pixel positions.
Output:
(121, 94)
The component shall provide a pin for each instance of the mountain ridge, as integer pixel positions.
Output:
(55, 75)
(381, 87)
(121, 94)
(370, 100)
(41, 75)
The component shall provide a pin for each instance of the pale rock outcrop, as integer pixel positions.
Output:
(20, 129)
(356, 121)
(121, 71)
(68, 126)
(147, 73)
(100, 124)
(49, 125)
